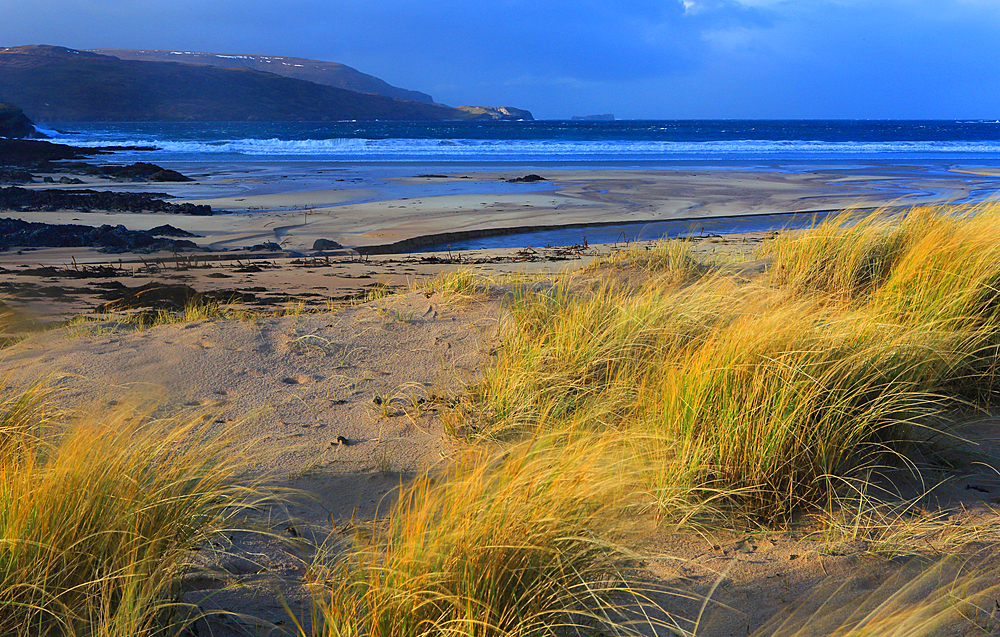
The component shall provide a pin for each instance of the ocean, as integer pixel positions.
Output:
(624, 142)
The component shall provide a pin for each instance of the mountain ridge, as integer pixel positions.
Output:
(317, 71)
(58, 84)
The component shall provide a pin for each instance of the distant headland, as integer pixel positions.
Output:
(57, 84)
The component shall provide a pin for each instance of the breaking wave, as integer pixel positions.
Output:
(546, 141)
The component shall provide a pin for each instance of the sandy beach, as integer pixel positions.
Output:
(360, 208)
(376, 369)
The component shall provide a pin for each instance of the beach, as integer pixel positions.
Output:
(339, 370)
(405, 210)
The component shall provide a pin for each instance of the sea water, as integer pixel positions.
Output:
(935, 146)
(624, 142)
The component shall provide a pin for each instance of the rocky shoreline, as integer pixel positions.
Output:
(15, 233)
(22, 199)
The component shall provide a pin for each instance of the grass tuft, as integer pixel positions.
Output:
(495, 545)
(96, 522)
(768, 394)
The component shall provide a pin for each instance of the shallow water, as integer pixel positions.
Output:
(630, 232)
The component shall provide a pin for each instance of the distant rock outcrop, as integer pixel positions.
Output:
(527, 179)
(496, 112)
(607, 117)
(30, 154)
(14, 123)
(15, 233)
(22, 199)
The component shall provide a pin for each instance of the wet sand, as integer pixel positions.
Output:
(363, 207)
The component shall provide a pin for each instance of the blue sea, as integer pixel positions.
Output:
(624, 142)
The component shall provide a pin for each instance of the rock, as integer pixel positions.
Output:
(326, 244)
(141, 171)
(269, 246)
(30, 153)
(49, 200)
(48, 180)
(113, 239)
(527, 179)
(496, 112)
(168, 175)
(15, 176)
(14, 123)
(168, 230)
(70, 180)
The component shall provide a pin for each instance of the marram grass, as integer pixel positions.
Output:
(509, 544)
(96, 521)
(764, 394)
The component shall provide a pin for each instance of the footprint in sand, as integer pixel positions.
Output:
(297, 380)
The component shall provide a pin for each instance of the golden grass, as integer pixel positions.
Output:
(685, 391)
(769, 393)
(96, 520)
(461, 282)
(671, 256)
(948, 597)
(498, 544)
(693, 393)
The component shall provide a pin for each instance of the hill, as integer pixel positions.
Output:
(318, 71)
(56, 84)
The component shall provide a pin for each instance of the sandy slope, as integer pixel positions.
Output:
(287, 387)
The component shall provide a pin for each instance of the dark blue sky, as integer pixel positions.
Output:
(651, 59)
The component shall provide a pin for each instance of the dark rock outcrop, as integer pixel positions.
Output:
(326, 244)
(26, 153)
(22, 199)
(15, 176)
(16, 233)
(14, 123)
(527, 179)
(139, 171)
(168, 175)
(167, 230)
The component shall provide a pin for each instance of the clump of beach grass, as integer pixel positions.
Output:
(497, 544)
(768, 394)
(461, 282)
(671, 257)
(97, 518)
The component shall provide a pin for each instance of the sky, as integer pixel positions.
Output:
(637, 59)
